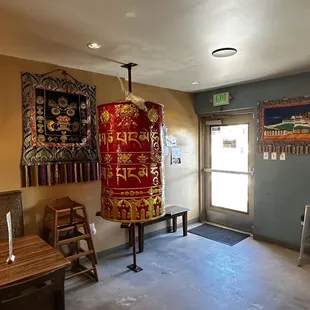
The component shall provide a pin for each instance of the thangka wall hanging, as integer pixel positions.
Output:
(59, 131)
(284, 126)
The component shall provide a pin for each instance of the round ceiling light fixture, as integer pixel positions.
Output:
(195, 83)
(94, 45)
(224, 52)
(131, 14)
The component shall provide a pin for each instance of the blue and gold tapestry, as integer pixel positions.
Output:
(283, 126)
(59, 122)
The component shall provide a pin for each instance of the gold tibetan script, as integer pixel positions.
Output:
(106, 137)
(127, 173)
(131, 136)
(107, 173)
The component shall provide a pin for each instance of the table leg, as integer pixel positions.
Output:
(184, 219)
(175, 224)
(141, 237)
(59, 281)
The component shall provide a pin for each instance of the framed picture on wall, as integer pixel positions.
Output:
(283, 126)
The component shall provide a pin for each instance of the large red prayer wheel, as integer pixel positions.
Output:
(131, 162)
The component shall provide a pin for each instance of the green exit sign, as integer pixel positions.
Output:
(220, 99)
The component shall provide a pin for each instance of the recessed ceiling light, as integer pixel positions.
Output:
(94, 45)
(131, 14)
(195, 83)
(224, 52)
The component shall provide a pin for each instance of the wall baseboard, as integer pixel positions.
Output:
(151, 234)
(284, 244)
(161, 231)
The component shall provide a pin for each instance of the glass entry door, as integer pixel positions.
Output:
(229, 171)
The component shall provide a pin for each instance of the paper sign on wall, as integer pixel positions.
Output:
(171, 141)
(175, 156)
(282, 156)
(166, 150)
(229, 143)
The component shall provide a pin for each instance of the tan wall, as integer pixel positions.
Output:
(181, 180)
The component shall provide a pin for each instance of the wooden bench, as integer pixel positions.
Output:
(172, 213)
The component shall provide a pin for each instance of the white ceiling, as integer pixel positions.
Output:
(171, 40)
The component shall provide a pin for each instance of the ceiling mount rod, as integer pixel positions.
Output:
(128, 67)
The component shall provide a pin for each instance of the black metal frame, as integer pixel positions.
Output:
(221, 216)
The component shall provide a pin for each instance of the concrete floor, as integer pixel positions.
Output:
(182, 273)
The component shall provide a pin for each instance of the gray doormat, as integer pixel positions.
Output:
(219, 234)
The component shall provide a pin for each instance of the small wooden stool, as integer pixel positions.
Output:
(66, 223)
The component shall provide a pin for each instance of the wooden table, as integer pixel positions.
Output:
(35, 280)
(172, 213)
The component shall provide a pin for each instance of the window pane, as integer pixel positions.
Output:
(229, 191)
(229, 147)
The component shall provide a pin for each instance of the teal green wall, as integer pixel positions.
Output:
(281, 188)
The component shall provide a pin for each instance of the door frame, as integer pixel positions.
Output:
(216, 215)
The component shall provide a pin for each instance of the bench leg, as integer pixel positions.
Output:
(175, 224)
(184, 220)
(141, 237)
(169, 226)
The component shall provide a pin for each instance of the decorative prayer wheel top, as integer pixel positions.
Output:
(131, 161)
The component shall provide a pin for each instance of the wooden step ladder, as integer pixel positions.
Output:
(66, 224)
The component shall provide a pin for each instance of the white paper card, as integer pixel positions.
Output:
(92, 228)
(273, 156)
(282, 156)
(266, 155)
(11, 257)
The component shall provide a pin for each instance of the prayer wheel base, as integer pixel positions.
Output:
(134, 268)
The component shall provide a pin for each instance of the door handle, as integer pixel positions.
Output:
(209, 170)
(251, 171)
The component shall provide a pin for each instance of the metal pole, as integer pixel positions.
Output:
(129, 79)
(134, 245)
(134, 266)
(128, 67)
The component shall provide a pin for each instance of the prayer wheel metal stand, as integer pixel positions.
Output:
(130, 133)
(133, 266)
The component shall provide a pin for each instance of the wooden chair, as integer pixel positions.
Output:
(45, 292)
(11, 202)
(66, 223)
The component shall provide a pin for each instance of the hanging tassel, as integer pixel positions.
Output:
(137, 101)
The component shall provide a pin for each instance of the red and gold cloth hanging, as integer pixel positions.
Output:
(131, 162)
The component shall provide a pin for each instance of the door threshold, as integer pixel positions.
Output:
(228, 228)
